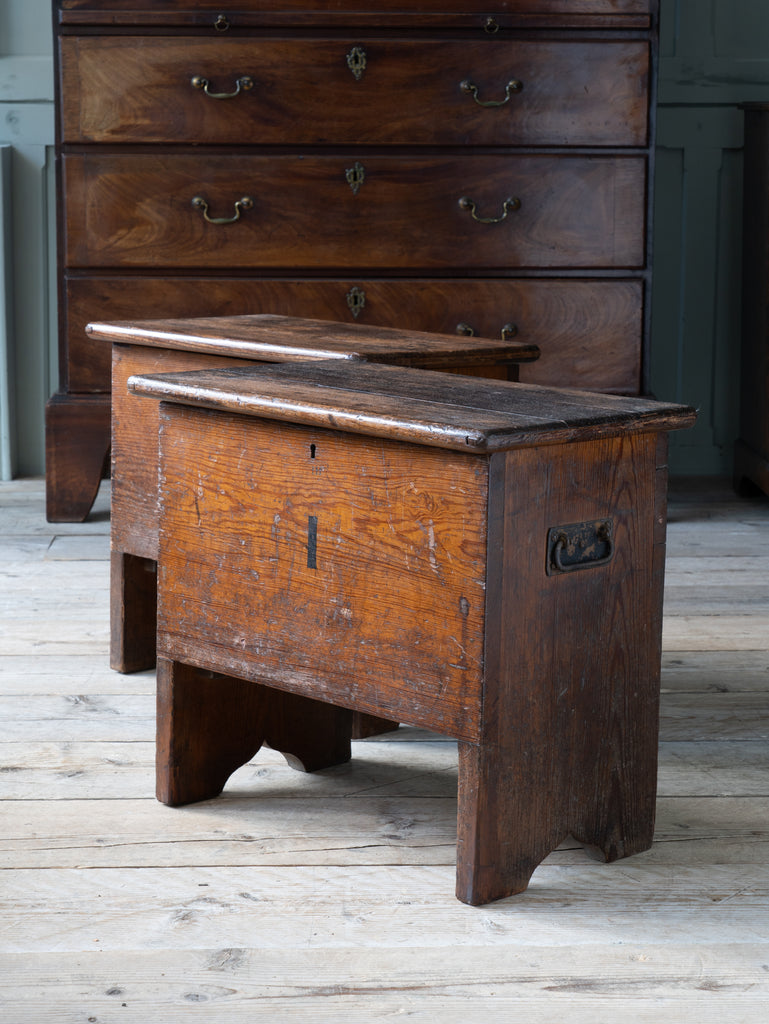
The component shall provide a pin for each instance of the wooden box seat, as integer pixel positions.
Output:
(480, 558)
(158, 346)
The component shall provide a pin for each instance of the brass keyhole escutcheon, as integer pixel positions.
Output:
(356, 301)
(356, 62)
(355, 177)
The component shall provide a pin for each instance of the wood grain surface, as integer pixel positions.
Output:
(268, 337)
(138, 89)
(135, 210)
(364, 572)
(441, 410)
(473, 13)
(588, 331)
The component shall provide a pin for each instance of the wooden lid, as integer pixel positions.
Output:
(438, 409)
(268, 338)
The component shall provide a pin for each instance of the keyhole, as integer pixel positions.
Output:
(312, 451)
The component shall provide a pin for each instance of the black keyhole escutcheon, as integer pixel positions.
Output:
(312, 542)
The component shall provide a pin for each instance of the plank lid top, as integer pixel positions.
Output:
(271, 338)
(438, 409)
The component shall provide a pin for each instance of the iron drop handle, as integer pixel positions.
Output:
(201, 204)
(580, 546)
(242, 84)
(511, 203)
(513, 86)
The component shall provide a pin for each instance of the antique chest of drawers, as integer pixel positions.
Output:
(434, 166)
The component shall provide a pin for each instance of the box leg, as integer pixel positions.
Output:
(364, 726)
(516, 808)
(133, 612)
(209, 725)
(504, 825)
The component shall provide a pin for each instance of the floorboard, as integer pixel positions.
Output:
(329, 897)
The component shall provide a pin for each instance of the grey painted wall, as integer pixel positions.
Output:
(714, 55)
(28, 313)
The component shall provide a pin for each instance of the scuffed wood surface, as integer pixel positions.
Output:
(442, 410)
(329, 897)
(270, 338)
(398, 590)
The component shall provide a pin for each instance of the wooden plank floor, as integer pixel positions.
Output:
(329, 898)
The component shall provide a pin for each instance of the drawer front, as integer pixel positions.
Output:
(137, 211)
(242, 13)
(149, 89)
(589, 332)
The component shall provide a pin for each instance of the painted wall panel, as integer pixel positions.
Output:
(27, 128)
(714, 56)
(7, 369)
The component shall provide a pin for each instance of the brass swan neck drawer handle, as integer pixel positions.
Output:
(508, 331)
(511, 203)
(201, 204)
(514, 85)
(243, 84)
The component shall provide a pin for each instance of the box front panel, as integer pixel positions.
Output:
(342, 567)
